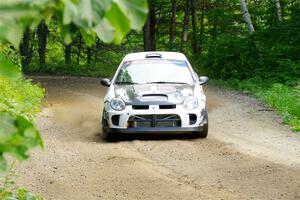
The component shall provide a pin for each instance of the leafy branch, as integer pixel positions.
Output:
(110, 20)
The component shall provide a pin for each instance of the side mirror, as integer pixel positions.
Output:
(203, 80)
(105, 82)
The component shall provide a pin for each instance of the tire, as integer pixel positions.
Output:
(201, 134)
(105, 134)
(204, 133)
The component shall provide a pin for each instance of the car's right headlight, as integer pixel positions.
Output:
(190, 103)
(117, 104)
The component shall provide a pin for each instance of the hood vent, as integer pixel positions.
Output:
(155, 95)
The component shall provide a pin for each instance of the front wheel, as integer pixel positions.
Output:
(204, 132)
(106, 135)
(201, 134)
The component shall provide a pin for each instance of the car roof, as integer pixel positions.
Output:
(155, 54)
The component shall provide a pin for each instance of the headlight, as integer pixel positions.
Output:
(117, 104)
(190, 103)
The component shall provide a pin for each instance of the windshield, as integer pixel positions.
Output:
(154, 71)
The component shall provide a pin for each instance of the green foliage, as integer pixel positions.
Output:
(92, 70)
(271, 53)
(19, 101)
(265, 64)
(228, 57)
(21, 194)
(17, 136)
(7, 180)
(11, 54)
(110, 20)
(241, 58)
(9, 62)
(17, 15)
(104, 65)
(20, 97)
(8, 190)
(8, 69)
(286, 100)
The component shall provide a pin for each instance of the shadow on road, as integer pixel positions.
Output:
(144, 137)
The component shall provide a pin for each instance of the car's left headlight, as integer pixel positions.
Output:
(117, 104)
(190, 103)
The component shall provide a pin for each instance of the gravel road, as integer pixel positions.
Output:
(248, 154)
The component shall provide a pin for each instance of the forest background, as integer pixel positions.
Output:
(252, 46)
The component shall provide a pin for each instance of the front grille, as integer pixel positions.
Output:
(144, 121)
(140, 107)
(146, 107)
(167, 106)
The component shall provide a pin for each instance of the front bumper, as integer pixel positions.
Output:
(155, 130)
(183, 114)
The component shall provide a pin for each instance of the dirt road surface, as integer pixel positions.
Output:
(248, 154)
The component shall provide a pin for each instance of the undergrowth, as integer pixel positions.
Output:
(285, 99)
(92, 70)
(8, 189)
(20, 97)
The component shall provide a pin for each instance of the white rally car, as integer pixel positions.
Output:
(155, 92)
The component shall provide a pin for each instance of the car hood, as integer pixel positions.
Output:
(160, 94)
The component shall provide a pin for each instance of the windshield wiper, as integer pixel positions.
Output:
(126, 83)
(165, 82)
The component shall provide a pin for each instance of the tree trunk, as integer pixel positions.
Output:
(79, 48)
(278, 8)
(194, 27)
(146, 35)
(42, 38)
(149, 29)
(247, 17)
(96, 51)
(202, 25)
(172, 23)
(89, 55)
(68, 54)
(185, 25)
(25, 50)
